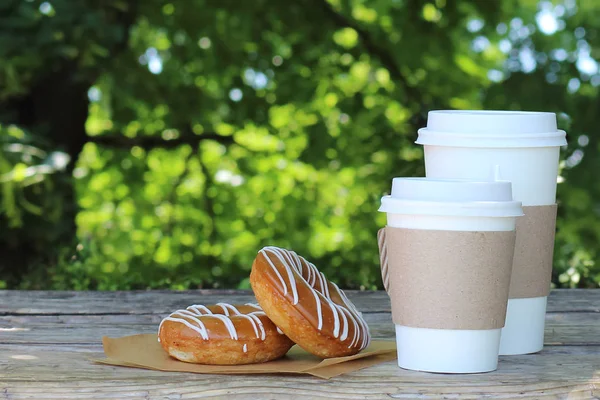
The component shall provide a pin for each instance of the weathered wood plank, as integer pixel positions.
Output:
(561, 328)
(572, 328)
(155, 302)
(61, 373)
(81, 329)
(289, 388)
(160, 302)
(570, 350)
(46, 339)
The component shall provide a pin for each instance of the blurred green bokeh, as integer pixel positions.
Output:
(157, 144)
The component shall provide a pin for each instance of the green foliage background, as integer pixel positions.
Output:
(160, 144)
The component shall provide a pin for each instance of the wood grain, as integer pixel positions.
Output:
(162, 302)
(546, 375)
(561, 328)
(47, 339)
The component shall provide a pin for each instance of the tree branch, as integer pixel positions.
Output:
(151, 142)
(384, 57)
(172, 197)
(209, 208)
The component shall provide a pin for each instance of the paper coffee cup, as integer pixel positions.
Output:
(446, 262)
(525, 145)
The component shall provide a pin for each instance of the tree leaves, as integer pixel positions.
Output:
(222, 127)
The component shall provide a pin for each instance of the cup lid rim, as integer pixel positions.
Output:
(501, 209)
(430, 137)
(495, 135)
(495, 112)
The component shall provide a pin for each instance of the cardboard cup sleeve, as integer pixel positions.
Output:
(447, 279)
(534, 251)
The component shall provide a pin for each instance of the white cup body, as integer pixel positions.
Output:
(523, 332)
(525, 148)
(532, 170)
(448, 350)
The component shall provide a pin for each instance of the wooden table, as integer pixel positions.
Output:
(46, 339)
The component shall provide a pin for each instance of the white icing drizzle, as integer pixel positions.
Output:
(192, 318)
(252, 322)
(245, 348)
(200, 328)
(319, 312)
(344, 314)
(228, 307)
(281, 256)
(189, 313)
(228, 324)
(197, 307)
(325, 285)
(283, 285)
(366, 340)
(355, 337)
(261, 327)
(225, 310)
(336, 318)
(257, 325)
(344, 334)
(279, 331)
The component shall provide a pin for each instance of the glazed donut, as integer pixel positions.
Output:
(308, 308)
(222, 334)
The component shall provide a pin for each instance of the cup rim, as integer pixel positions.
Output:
(493, 112)
(480, 209)
(429, 137)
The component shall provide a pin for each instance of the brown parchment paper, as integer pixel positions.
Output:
(144, 351)
(534, 251)
(449, 279)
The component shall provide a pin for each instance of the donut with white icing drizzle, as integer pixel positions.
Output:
(222, 334)
(308, 308)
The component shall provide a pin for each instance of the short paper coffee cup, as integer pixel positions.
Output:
(447, 255)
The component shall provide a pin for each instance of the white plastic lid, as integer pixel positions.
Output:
(451, 197)
(470, 128)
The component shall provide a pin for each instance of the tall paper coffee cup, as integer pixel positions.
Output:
(525, 145)
(447, 255)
